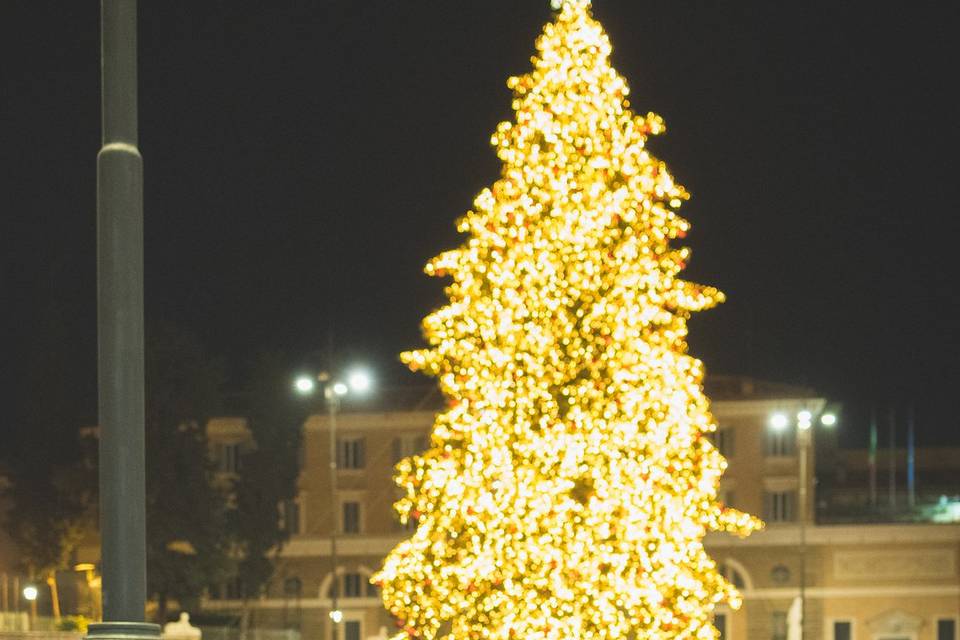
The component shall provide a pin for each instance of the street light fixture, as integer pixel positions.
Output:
(358, 382)
(304, 385)
(778, 421)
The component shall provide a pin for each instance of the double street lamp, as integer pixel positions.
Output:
(357, 382)
(804, 419)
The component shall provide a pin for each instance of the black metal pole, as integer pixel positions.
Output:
(120, 333)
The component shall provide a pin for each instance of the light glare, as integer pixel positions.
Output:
(359, 381)
(30, 592)
(778, 421)
(304, 385)
(828, 419)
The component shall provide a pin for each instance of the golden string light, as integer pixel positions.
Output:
(570, 483)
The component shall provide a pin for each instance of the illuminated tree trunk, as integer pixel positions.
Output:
(569, 485)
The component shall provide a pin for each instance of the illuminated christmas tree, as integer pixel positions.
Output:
(570, 483)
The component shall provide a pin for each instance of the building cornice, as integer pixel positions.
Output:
(370, 421)
(789, 535)
(304, 547)
(752, 407)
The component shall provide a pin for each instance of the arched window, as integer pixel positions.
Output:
(736, 574)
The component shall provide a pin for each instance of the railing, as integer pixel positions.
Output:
(844, 512)
(15, 625)
(14, 621)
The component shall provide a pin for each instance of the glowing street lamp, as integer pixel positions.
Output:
(359, 381)
(778, 421)
(304, 385)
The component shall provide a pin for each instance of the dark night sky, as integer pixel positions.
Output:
(304, 159)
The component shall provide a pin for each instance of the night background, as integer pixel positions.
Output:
(304, 159)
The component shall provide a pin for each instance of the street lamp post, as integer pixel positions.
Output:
(804, 423)
(804, 436)
(30, 593)
(120, 333)
(333, 390)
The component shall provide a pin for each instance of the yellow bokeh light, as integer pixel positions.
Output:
(570, 483)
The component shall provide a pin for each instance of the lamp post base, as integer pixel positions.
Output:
(123, 631)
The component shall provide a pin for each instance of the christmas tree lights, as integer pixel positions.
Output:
(570, 483)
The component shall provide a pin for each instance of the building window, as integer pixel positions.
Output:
(410, 525)
(842, 630)
(351, 630)
(228, 458)
(290, 516)
(350, 453)
(302, 455)
(947, 629)
(351, 517)
(778, 626)
(720, 622)
(409, 444)
(727, 497)
(233, 589)
(723, 439)
(733, 576)
(780, 443)
(780, 574)
(292, 587)
(352, 585)
(779, 506)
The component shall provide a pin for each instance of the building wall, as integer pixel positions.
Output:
(755, 472)
(878, 577)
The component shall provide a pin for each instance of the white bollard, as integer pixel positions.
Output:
(181, 629)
